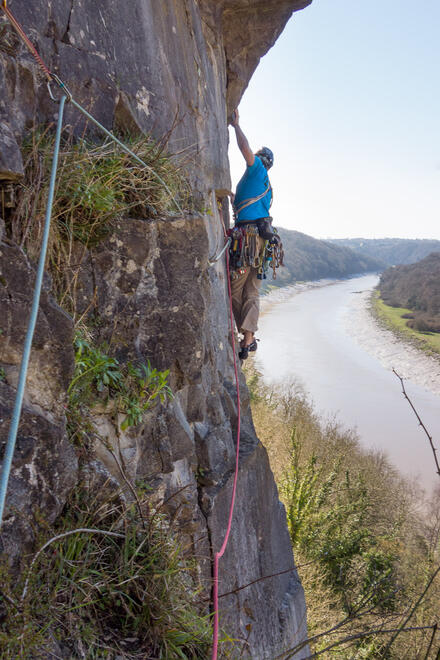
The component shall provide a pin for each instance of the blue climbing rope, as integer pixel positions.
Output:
(66, 96)
(12, 437)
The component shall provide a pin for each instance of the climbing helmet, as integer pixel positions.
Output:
(266, 156)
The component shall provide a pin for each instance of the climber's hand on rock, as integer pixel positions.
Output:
(234, 117)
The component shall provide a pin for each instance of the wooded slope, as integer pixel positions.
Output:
(308, 258)
(391, 251)
(415, 287)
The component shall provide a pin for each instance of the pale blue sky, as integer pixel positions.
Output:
(349, 101)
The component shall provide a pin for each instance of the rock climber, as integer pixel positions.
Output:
(251, 205)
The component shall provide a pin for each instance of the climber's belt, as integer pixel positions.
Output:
(264, 226)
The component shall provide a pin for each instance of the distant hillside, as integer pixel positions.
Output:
(392, 251)
(415, 287)
(308, 258)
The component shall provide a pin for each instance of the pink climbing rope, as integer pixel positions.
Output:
(29, 45)
(220, 553)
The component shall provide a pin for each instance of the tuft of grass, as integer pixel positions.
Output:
(392, 317)
(125, 592)
(97, 185)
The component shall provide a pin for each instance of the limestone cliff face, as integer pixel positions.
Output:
(144, 66)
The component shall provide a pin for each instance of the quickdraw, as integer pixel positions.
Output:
(274, 255)
(248, 249)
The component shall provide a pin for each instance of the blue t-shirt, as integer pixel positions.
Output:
(252, 184)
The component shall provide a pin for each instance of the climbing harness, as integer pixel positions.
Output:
(246, 250)
(251, 247)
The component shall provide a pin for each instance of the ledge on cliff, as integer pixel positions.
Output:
(250, 29)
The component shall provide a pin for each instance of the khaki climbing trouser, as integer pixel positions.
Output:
(245, 288)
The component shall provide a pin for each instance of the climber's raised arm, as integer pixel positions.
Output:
(242, 142)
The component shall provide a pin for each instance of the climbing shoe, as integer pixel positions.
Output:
(244, 350)
(253, 346)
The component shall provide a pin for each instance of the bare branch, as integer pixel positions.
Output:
(10, 600)
(434, 630)
(266, 577)
(128, 482)
(413, 609)
(357, 614)
(377, 631)
(289, 654)
(434, 450)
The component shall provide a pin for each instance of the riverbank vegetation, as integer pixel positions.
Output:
(416, 288)
(366, 540)
(396, 319)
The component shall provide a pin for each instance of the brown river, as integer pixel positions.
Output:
(322, 336)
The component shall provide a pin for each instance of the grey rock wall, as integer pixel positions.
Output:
(45, 465)
(145, 66)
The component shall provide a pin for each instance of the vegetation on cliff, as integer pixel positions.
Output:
(97, 185)
(109, 578)
(366, 541)
(117, 587)
(121, 390)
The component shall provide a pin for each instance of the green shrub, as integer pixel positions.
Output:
(366, 541)
(328, 518)
(125, 388)
(97, 183)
